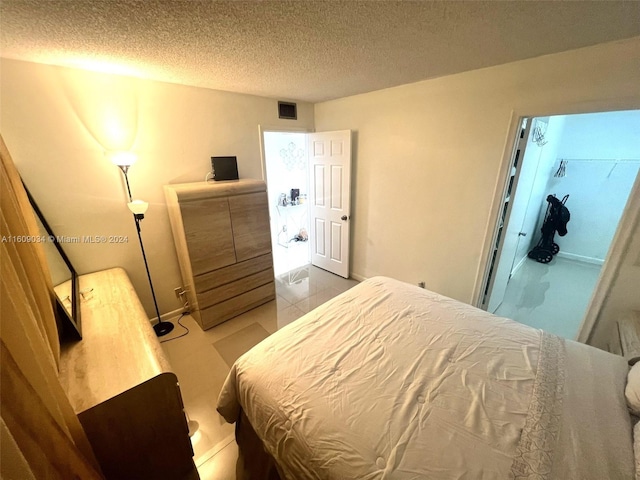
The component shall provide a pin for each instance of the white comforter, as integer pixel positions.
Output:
(392, 381)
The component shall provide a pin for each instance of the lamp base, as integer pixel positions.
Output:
(162, 328)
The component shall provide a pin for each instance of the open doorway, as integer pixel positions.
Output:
(308, 178)
(592, 158)
(287, 177)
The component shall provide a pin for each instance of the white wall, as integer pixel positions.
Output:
(286, 164)
(599, 175)
(57, 122)
(598, 192)
(430, 157)
(609, 135)
(600, 149)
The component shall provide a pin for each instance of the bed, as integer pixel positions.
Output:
(389, 380)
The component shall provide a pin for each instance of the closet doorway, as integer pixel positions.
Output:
(592, 158)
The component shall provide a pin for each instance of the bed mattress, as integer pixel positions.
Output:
(391, 381)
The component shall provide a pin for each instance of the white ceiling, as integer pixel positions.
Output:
(302, 50)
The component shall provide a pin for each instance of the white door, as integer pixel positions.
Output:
(330, 200)
(511, 220)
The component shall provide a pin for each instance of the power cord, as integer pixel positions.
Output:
(183, 326)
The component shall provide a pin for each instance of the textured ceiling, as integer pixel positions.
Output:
(302, 50)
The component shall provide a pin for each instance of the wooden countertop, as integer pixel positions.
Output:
(119, 348)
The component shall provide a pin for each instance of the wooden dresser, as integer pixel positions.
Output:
(121, 386)
(222, 237)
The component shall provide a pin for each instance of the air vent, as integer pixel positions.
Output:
(287, 110)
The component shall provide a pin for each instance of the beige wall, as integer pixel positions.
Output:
(430, 157)
(57, 122)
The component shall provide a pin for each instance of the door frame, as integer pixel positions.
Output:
(629, 219)
(518, 154)
(493, 221)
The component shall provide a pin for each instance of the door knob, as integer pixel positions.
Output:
(344, 218)
(522, 234)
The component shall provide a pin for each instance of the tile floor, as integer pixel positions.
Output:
(552, 297)
(201, 370)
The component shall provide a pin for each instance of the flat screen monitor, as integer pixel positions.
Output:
(224, 168)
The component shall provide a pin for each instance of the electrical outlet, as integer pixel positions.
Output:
(421, 284)
(178, 291)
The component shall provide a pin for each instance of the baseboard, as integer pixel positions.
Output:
(580, 258)
(168, 316)
(357, 277)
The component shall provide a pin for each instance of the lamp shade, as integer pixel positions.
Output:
(121, 158)
(138, 207)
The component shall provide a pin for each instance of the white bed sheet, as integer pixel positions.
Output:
(393, 381)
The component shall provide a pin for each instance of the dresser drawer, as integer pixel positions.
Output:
(233, 289)
(250, 222)
(232, 273)
(212, 316)
(208, 234)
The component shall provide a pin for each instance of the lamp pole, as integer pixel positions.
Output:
(161, 328)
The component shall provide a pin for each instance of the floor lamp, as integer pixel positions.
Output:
(124, 160)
